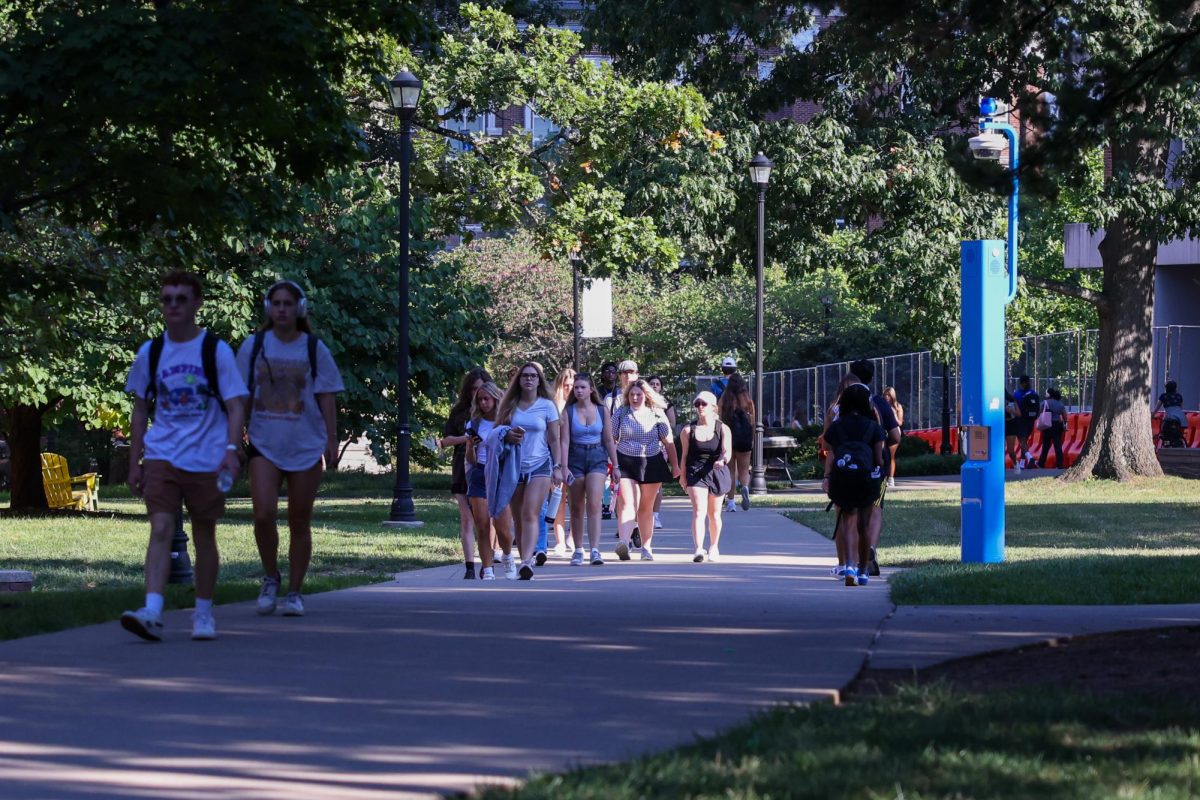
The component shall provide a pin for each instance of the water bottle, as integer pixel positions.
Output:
(552, 504)
(225, 480)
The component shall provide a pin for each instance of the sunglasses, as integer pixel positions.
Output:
(699, 404)
(533, 375)
(174, 299)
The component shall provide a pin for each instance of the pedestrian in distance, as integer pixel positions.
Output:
(864, 370)
(587, 440)
(529, 411)
(854, 476)
(1054, 413)
(608, 388)
(484, 405)
(736, 410)
(889, 394)
(656, 384)
(1030, 405)
(707, 446)
(627, 372)
(1012, 426)
(454, 434)
(831, 416)
(291, 421)
(1173, 430)
(185, 438)
(564, 384)
(642, 433)
(728, 370)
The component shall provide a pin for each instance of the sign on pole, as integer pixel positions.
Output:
(596, 306)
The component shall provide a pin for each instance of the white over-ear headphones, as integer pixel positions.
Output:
(301, 304)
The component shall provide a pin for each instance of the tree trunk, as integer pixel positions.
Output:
(25, 444)
(1120, 443)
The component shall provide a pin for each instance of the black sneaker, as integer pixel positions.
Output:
(470, 576)
(605, 513)
(636, 537)
(873, 565)
(540, 558)
(526, 573)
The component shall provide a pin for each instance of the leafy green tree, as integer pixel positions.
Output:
(1083, 75)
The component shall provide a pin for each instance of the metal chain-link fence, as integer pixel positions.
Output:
(924, 386)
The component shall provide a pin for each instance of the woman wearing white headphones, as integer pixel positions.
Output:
(291, 422)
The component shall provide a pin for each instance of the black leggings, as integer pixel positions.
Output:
(1052, 436)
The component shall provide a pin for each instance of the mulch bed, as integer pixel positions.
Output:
(1158, 660)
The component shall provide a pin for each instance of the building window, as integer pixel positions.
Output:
(541, 128)
(471, 125)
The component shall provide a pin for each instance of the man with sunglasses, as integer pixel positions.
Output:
(195, 435)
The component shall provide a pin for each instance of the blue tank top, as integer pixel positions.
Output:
(585, 434)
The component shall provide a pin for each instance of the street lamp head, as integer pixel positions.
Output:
(405, 89)
(760, 170)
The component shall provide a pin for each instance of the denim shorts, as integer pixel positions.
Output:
(476, 482)
(584, 459)
(540, 471)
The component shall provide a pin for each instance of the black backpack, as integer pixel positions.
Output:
(208, 361)
(742, 430)
(1031, 405)
(851, 483)
(256, 349)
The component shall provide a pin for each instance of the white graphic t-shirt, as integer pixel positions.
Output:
(285, 422)
(189, 429)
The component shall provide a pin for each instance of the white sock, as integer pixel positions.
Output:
(154, 602)
(203, 606)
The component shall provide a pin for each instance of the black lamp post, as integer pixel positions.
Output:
(760, 173)
(405, 91)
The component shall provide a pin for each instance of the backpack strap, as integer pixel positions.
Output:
(208, 360)
(252, 373)
(312, 356)
(151, 393)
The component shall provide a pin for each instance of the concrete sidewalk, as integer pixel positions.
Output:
(431, 683)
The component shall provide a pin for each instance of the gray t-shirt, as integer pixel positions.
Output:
(286, 424)
(534, 420)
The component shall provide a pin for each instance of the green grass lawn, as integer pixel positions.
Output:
(88, 568)
(1090, 543)
(930, 742)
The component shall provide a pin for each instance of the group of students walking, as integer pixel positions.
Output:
(272, 406)
(518, 451)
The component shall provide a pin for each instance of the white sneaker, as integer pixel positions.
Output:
(293, 605)
(730, 506)
(597, 559)
(891, 483)
(488, 574)
(577, 558)
(268, 595)
(714, 555)
(510, 567)
(647, 553)
(144, 623)
(657, 521)
(204, 627)
(699, 557)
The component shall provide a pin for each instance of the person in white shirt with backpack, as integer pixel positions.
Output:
(292, 429)
(187, 385)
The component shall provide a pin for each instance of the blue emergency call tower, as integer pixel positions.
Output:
(989, 283)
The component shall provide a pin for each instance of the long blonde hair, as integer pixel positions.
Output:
(511, 397)
(564, 385)
(654, 400)
(492, 391)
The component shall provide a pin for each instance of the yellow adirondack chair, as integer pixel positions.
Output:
(60, 485)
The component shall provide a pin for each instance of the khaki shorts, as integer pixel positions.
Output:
(164, 487)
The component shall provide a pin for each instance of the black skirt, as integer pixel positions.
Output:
(644, 469)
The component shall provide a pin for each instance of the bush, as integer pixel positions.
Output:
(912, 446)
(929, 464)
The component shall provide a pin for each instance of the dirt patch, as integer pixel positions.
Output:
(1159, 660)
